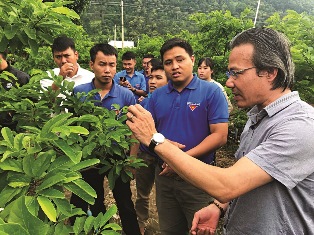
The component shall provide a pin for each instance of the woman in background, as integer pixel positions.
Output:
(205, 71)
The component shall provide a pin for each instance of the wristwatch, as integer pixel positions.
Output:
(157, 139)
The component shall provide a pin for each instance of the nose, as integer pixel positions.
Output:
(63, 60)
(175, 65)
(230, 82)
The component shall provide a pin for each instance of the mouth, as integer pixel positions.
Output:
(152, 88)
(176, 74)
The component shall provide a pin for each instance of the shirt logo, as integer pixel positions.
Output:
(193, 106)
(9, 85)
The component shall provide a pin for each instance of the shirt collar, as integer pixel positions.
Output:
(191, 86)
(274, 107)
(113, 91)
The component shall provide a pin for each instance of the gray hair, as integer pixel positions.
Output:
(271, 50)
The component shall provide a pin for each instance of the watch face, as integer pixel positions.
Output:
(158, 138)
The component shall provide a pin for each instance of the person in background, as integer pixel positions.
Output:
(103, 62)
(205, 71)
(65, 57)
(146, 70)
(269, 190)
(145, 176)
(194, 113)
(22, 79)
(129, 78)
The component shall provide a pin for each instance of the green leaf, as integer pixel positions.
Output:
(55, 121)
(10, 30)
(84, 164)
(52, 193)
(66, 11)
(50, 181)
(88, 224)
(58, 163)
(80, 192)
(71, 129)
(18, 180)
(13, 229)
(7, 194)
(109, 213)
(18, 141)
(8, 136)
(79, 225)
(62, 229)
(11, 165)
(86, 187)
(74, 156)
(19, 214)
(33, 44)
(30, 32)
(48, 207)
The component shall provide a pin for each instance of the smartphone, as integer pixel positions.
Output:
(122, 79)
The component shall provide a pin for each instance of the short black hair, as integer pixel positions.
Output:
(129, 55)
(175, 42)
(62, 43)
(149, 56)
(208, 62)
(156, 64)
(104, 48)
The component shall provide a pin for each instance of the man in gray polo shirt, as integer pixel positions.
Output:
(270, 188)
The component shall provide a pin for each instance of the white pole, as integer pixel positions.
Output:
(122, 24)
(115, 35)
(258, 4)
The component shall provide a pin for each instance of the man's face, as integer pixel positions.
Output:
(248, 88)
(157, 79)
(104, 68)
(129, 65)
(145, 62)
(66, 56)
(178, 65)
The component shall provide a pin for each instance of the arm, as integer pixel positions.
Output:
(224, 184)
(216, 139)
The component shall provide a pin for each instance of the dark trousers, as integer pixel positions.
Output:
(122, 195)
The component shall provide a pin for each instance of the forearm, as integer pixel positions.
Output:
(204, 176)
(208, 145)
(138, 92)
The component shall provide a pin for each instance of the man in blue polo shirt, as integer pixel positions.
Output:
(103, 64)
(129, 78)
(191, 112)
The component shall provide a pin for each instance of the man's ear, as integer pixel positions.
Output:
(91, 65)
(269, 73)
(193, 59)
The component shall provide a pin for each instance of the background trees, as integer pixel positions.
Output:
(45, 154)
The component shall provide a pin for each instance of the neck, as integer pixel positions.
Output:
(180, 85)
(273, 96)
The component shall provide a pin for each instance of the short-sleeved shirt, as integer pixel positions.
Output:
(117, 95)
(185, 116)
(137, 80)
(280, 140)
(83, 76)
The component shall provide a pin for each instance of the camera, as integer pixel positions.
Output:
(122, 79)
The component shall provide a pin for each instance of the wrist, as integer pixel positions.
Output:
(222, 211)
(134, 90)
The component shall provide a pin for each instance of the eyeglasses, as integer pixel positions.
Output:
(235, 74)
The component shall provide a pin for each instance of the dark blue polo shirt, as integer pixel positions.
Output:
(117, 95)
(185, 116)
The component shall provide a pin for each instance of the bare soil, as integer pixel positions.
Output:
(224, 158)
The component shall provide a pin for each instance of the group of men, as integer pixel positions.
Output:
(269, 190)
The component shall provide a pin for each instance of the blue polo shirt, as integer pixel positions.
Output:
(137, 80)
(185, 116)
(117, 95)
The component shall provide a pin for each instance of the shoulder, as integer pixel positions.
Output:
(139, 74)
(83, 88)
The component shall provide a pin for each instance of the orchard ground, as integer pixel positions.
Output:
(224, 158)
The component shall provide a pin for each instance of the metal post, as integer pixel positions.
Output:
(122, 24)
(258, 4)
